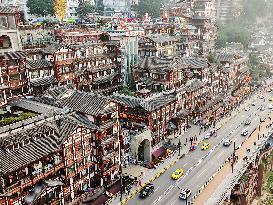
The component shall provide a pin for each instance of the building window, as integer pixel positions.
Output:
(2, 96)
(5, 42)
(3, 22)
(11, 22)
(35, 74)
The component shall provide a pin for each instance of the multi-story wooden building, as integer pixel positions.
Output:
(159, 73)
(41, 76)
(98, 67)
(153, 113)
(9, 34)
(157, 45)
(60, 154)
(77, 35)
(58, 150)
(204, 20)
(14, 76)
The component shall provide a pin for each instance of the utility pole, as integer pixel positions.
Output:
(120, 166)
(233, 157)
(179, 147)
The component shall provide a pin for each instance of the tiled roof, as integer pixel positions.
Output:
(127, 100)
(46, 100)
(158, 102)
(13, 55)
(158, 64)
(7, 10)
(85, 102)
(43, 81)
(38, 148)
(162, 38)
(148, 104)
(225, 57)
(37, 64)
(105, 79)
(195, 62)
(55, 92)
(34, 105)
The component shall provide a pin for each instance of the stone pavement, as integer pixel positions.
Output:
(217, 183)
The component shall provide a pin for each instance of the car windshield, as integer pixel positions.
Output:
(183, 194)
(176, 172)
(146, 189)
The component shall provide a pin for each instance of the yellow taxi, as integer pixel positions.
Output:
(205, 146)
(177, 174)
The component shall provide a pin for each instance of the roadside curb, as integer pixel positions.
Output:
(220, 168)
(159, 173)
(208, 181)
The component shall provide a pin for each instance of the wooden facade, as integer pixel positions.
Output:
(14, 76)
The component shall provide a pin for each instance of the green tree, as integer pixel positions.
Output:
(41, 7)
(84, 8)
(99, 6)
(232, 32)
(152, 7)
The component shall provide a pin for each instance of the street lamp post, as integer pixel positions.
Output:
(179, 147)
(233, 157)
(120, 166)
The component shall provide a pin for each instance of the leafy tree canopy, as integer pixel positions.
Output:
(232, 32)
(99, 6)
(41, 7)
(84, 8)
(152, 7)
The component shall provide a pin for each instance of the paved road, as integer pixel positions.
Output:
(197, 166)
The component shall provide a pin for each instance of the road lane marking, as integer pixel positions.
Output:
(173, 202)
(169, 189)
(201, 173)
(157, 200)
(220, 155)
(186, 163)
(157, 188)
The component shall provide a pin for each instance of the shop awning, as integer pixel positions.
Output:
(159, 152)
(99, 201)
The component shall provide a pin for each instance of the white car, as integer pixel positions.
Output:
(244, 133)
(270, 106)
(253, 104)
(210, 133)
(261, 97)
(184, 194)
(247, 109)
(262, 108)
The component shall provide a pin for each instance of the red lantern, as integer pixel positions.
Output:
(11, 201)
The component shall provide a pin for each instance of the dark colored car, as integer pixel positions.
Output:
(247, 122)
(146, 191)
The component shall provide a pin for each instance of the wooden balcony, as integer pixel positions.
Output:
(14, 188)
(30, 182)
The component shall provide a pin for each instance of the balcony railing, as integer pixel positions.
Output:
(29, 182)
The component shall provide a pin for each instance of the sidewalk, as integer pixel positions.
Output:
(217, 183)
(151, 174)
